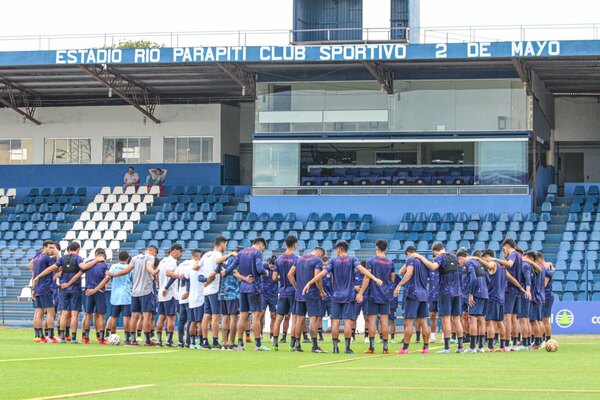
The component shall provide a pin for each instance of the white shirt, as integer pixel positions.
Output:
(182, 269)
(196, 296)
(166, 264)
(208, 264)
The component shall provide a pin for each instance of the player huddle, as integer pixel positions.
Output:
(479, 298)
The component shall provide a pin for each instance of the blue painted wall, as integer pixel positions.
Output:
(103, 174)
(545, 176)
(570, 187)
(389, 209)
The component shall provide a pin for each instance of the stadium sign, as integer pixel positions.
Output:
(316, 54)
(579, 317)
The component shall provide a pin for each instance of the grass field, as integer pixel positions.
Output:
(30, 370)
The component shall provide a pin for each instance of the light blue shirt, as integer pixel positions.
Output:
(120, 286)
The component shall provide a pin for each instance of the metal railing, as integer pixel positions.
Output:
(389, 190)
(283, 37)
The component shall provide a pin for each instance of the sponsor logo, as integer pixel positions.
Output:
(596, 319)
(564, 318)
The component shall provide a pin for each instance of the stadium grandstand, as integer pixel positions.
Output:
(410, 135)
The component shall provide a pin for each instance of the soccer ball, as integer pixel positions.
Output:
(114, 340)
(552, 345)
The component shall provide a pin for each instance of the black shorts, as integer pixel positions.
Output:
(120, 309)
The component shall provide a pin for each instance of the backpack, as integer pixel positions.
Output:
(451, 264)
(70, 265)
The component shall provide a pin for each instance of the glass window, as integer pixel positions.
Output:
(276, 164)
(184, 149)
(15, 151)
(125, 150)
(501, 162)
(67, 151)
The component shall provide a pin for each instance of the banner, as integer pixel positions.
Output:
(315, 54)
(581, 317)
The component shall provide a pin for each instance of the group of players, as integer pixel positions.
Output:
(479, 298)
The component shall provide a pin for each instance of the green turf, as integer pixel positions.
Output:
(575, 366)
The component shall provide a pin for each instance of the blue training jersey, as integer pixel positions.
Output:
(434, 286)
(515, 271)
(358, 280)
(416, 287)
(538, 291)
(249, 262)
(477, 279)
(120, 287)
(497, 285)
(327, 286)
(381, 268)
(450, 279)
(548, 290)
(95, 275)
(44, 285)
(393, 286)
(343, 270)
(306, 267)
(525, 277)
(283, 264)
(269, 286)
(70, 266)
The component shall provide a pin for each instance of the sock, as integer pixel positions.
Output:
(537, 341)
(548, 337)
(107, 333)
(304, 336)
(467, 337)
(453, 335)
(385, 344)
(147, 336)
(353, 333)
(404, 346)
(276, 341)
(418, 336)
(101, 335)
(514, 341)
(284, 336)
(502, 343)
(496, 337)
(320, 330)
(348, 340)
(366, 333)
(215, 341)
(336, 345)
(204, 341)
(446, 343)
(490, 343)
(241, 342)
(61, 334)
(51, 333)
(138, 333)
(86, 334)
(393, 336)
(159, 334)
(293, 342)
(371, 343)
(152, 333)
(169, 337)
(480, 340)
(36, 332)
(425, 345)
(472, 345)
(520, 338)
(68, 331)
(257, 341)
(314, 343)
(247, 333)
(126, 336)
(74, 336)
(460, 343)
(270, 336)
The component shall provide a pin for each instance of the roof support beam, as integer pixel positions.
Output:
(384, 76)
(17, 99)
(523, 72)
(132, 92)
(242, 76)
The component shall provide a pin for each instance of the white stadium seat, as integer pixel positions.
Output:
(148, 199)
(117, 207)
(141, 208)
(90, 226)
(114, 245)
(109, 253)
(128, 226)
(129, 207)
(88, 245)
(83, 235)
(130, 190)
(78, 226)
(123, 199)
(109, 216)
(104, 207)
(122, 217)
(108, 235)
(96, 235)
(101, 244)
(105, 190)
(117, 190)
(3, 201)
(154, 190)
(136, 198)
(111, 198)
(12, 192)
(92, 207)
(102, 226)
(143, 190)
(64, 244)
(135, 216)
(85, 216)
(115, 226)
(70, 236)
(97, 216)
(99, 199)
(1, 192)
(121, 236)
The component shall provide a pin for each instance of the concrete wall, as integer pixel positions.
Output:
(115, 121)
